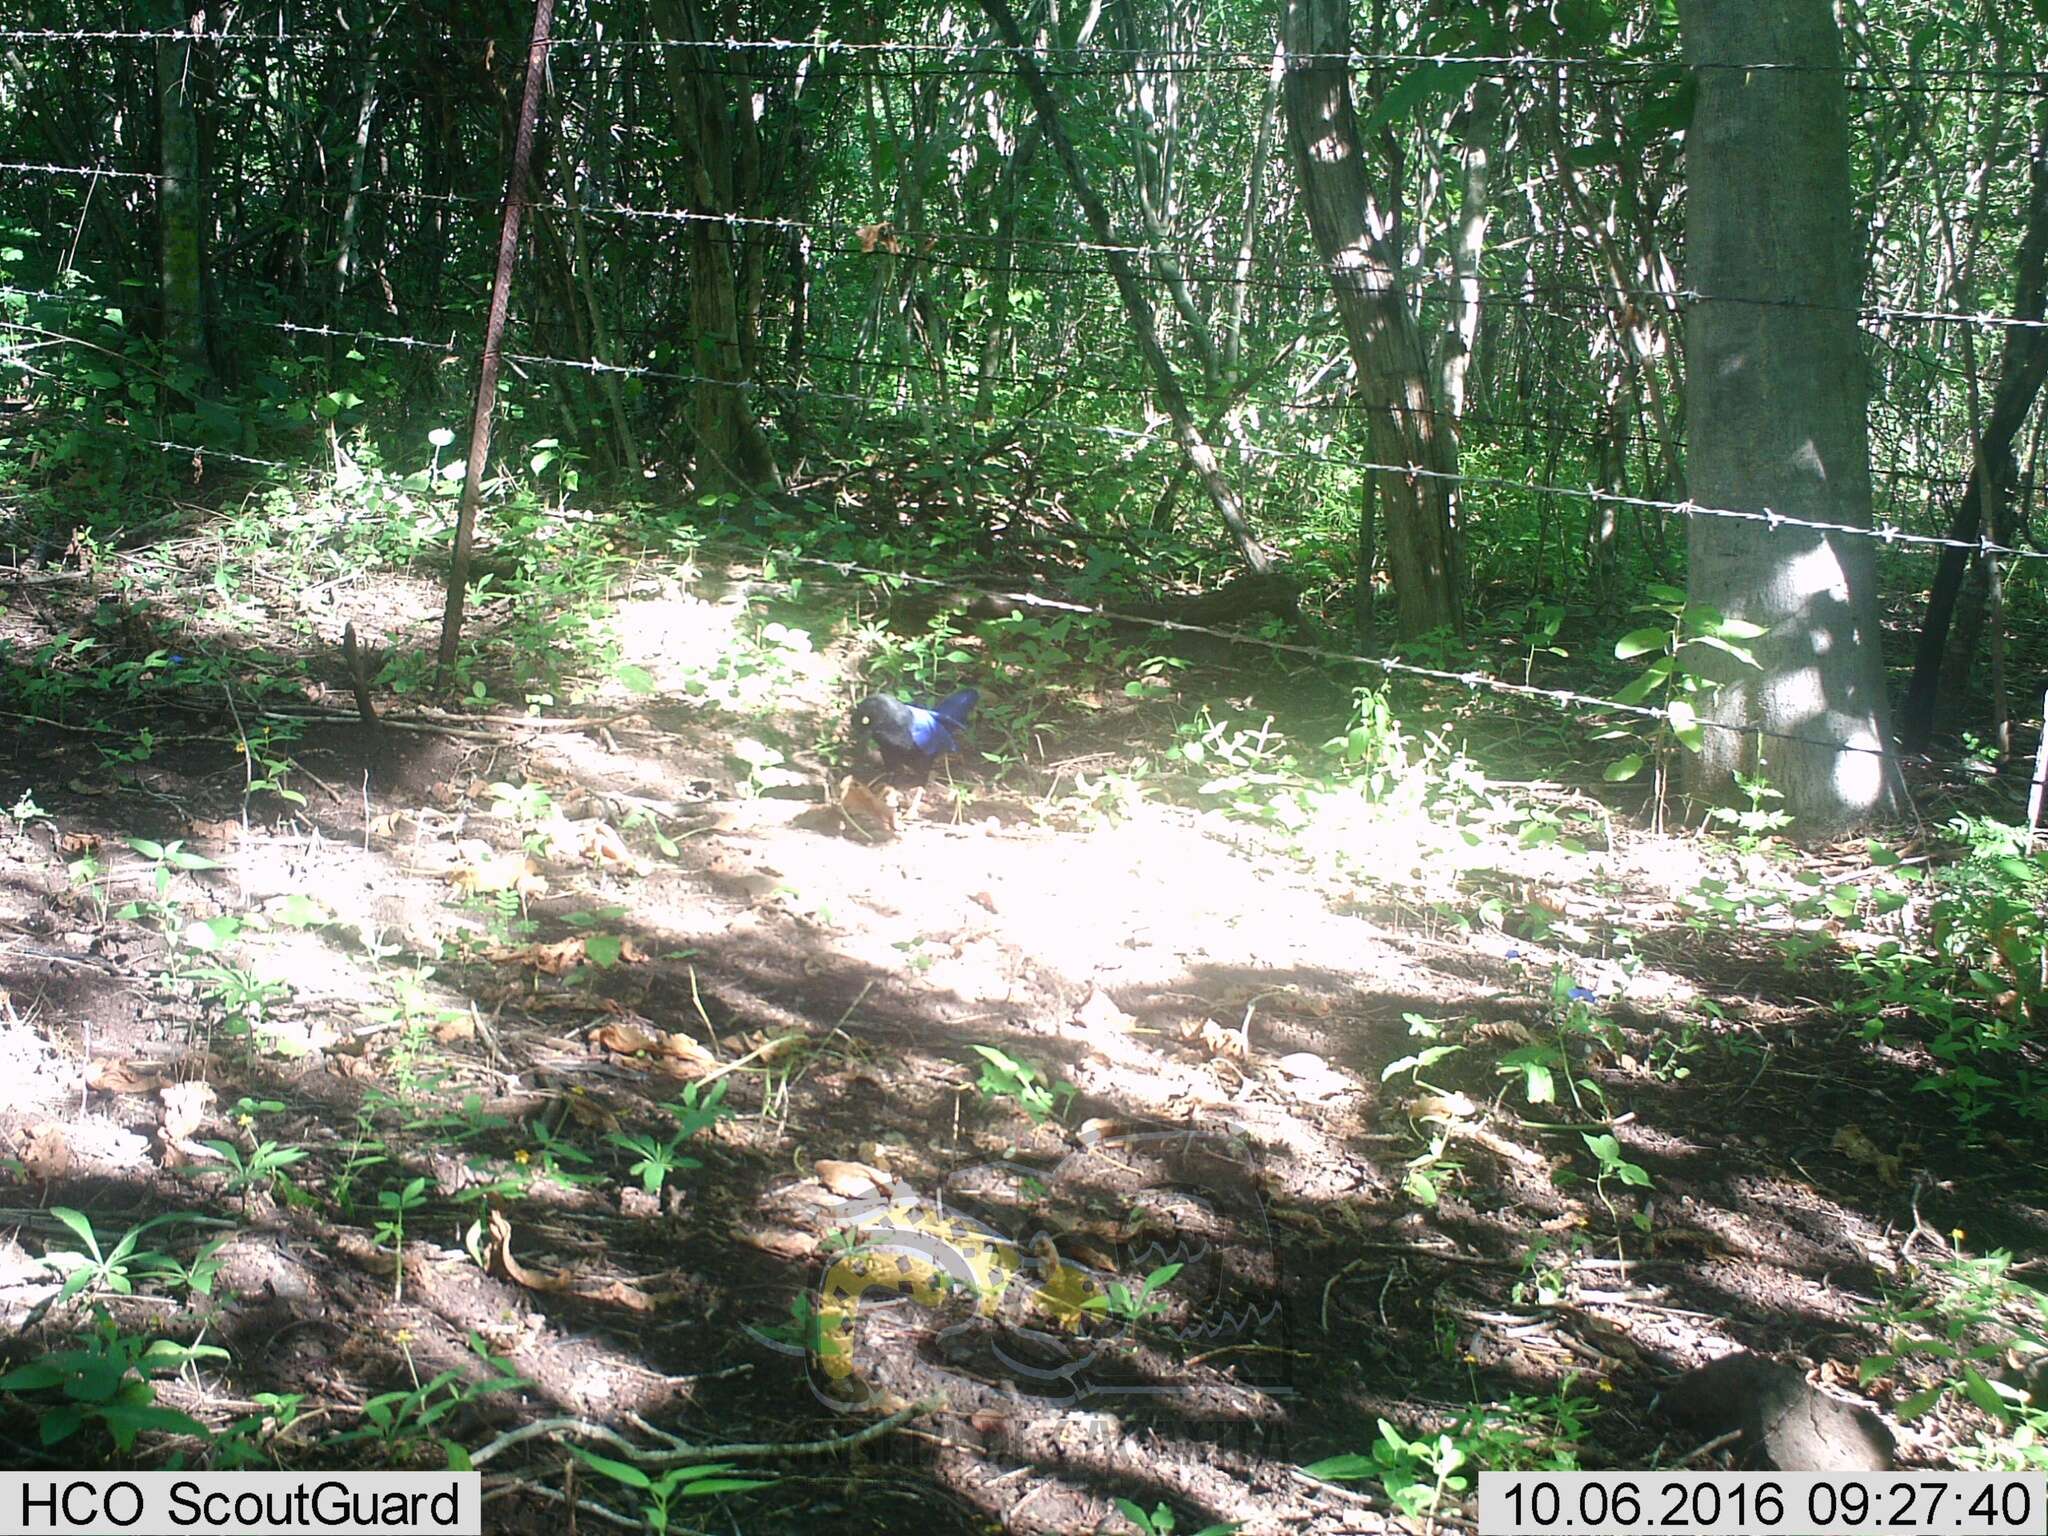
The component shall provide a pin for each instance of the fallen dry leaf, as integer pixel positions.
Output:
(635, 1037)
(45, 1150)
(1854, 1144)
(186, 1105)
(480, 870)
(625, 1039)
(498, 1258)
(556, 959)
(619, 1294)
(1448, 1107)
(784, 1243)
(1100, 1012)
(870, 814)
(123, 1077)
(597, 842)
(851, 1181)
(1215, 1038)
(678, 1053)
(588, 1112)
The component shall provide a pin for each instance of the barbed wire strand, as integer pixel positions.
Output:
(1889, 534)
(1070, 379)
(1469, 680)
(1257, 58)
(1559, 698)
(1315, 276)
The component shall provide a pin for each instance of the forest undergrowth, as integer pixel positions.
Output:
(1237, 1088)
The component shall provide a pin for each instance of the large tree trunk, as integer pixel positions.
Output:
(1385, 341)
(1775, 413)
(2020, 375)
(732, 451)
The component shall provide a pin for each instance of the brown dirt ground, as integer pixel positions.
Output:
(1223, 1009)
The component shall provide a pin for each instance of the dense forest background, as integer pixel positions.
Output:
(1493, 865)
(765, 246)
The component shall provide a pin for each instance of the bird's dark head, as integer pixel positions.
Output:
(864, 715)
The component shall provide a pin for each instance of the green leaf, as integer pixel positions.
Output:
(125, 1422)
(1638, 642)
(1625, 769)
(1342, 1469)
(1983, 1394)
(1716, 643)
(635, 679)
(80, 1227)
(717, 1485)
(1918, 1404)
(1685, 724)
(1417, 89)
(301, 911)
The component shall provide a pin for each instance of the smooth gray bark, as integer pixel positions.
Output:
(1776, 405)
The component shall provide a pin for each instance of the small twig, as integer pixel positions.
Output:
(1701, 1451)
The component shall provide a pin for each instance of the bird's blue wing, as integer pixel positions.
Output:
(955, 710)
(928, 731)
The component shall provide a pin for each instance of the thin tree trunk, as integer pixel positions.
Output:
(358, 154)
(181, 214)
(1254, 202)
(995, 339)
(1461, 328)
(732, 452)
(600, 341)
(516, 193)
(2023, 366)
(1137, 304)
(1385, 340)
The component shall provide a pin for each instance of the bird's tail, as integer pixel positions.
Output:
(956, 709)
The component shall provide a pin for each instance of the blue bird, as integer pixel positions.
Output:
(910, 737)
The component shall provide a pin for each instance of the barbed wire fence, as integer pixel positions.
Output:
(1584, 302)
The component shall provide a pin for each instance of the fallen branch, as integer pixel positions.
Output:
(680, 1452)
